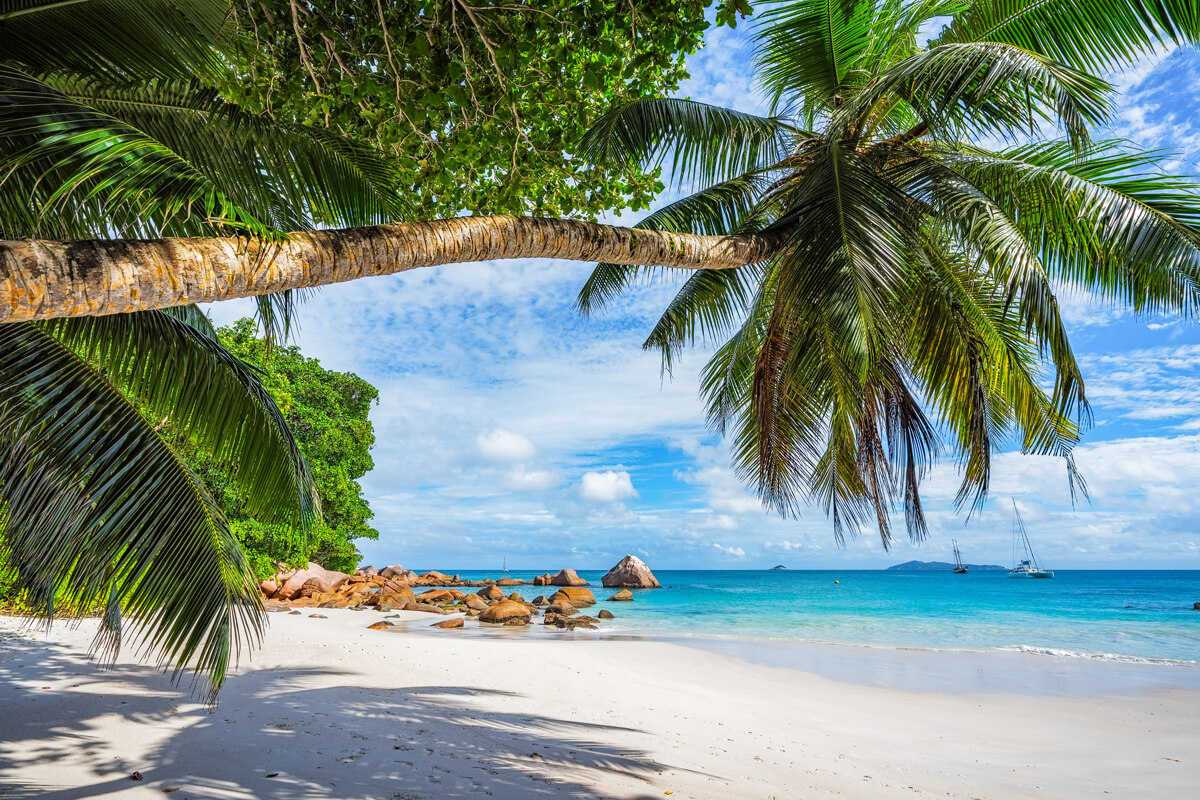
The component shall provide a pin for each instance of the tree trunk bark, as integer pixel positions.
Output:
(44, 279)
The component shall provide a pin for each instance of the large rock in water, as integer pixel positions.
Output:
(630, 572)
(568, 577)
(505, 612)
(322, 580)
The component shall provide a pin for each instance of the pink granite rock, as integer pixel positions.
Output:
(322, 580)
(630, 571)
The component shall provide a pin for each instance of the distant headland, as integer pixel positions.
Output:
(937, 566)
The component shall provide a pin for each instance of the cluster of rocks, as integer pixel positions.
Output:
(392, 589)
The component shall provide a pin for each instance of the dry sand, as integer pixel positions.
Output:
(328, 709)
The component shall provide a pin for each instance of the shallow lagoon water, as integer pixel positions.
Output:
(1109, 615)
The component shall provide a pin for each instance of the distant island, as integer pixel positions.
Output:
(779, 566)
(933, 566)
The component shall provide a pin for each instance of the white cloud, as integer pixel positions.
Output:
(788, 546)
(606, 487)
(736, 552)
(502, 445)
(719, 522)
(520, 479)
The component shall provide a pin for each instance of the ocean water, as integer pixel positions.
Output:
(1118, 615)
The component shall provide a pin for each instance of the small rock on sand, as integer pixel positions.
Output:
(505, 612)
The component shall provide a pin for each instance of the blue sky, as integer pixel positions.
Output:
(509, 427)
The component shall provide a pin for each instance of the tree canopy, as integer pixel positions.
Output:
(481, 105)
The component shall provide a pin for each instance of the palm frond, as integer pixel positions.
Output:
(728, 207)
(707, 144)
(186, 379)
(709, 304)
(815, 50)
(988, 232)
(986, 88)
(193, 316)
(85, 157)
(174, 38)
(1106, 218)
(1094, 35)
(98, 506)
(980, 369)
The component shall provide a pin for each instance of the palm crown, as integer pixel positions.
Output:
(911, 308)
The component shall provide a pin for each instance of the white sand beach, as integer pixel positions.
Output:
(328, 709)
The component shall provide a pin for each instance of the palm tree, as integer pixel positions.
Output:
(881, 274)
(913, 299)
(107, 135)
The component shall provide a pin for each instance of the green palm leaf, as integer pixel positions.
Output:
(85, 156)
(728, 207)
(966, 90)
(1094, 35)
(174, 38)
(184, 377)
(992, 235)
(813, 49)
(709, 304)
(707, 144)
(97, 505)
(1106, 218)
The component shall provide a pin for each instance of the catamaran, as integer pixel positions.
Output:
(1029, 566)
(960, 566)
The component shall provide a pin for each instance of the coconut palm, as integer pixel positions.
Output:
(884, 277)
(931, 197)
(107, 135)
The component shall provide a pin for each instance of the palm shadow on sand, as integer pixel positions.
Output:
(388, 742)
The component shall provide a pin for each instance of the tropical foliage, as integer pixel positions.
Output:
(477, 103)
(106, 134)
(933, 196)
(327, 412)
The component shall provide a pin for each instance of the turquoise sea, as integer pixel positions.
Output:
(1116, 615)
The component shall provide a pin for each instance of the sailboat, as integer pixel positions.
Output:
(960, 566)
(505, 567)
(1029, 566)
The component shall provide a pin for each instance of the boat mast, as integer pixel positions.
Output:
(1016, 522)
(1019, 524)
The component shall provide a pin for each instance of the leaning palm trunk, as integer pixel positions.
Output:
(41, 279)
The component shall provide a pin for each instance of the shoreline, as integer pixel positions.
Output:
(330, 709)
(918, 669)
